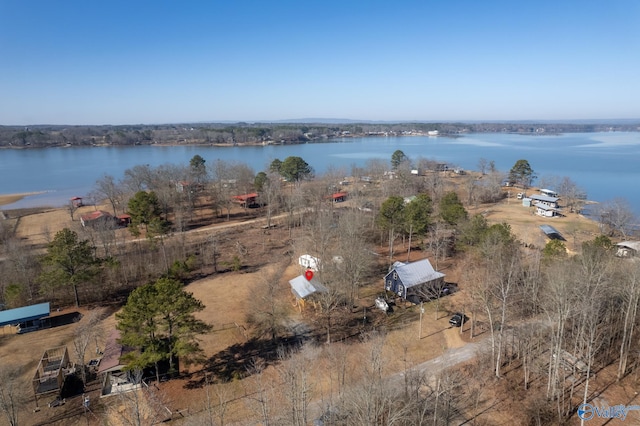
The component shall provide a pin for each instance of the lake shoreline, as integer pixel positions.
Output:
(6, 199)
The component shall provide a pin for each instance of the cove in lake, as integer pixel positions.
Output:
(604, 165)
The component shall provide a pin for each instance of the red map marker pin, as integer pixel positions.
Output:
(308, 274)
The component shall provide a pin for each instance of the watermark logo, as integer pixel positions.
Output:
(589, 411)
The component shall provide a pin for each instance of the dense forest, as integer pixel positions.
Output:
(252, 133)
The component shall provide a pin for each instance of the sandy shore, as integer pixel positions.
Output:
(12, 198)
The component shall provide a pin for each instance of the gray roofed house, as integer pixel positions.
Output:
(543, 199)
(413, 281)
(628, 248)
(546, 210)
(303, 288)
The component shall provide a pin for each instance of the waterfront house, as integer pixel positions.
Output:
(545, 210)
(544, 199)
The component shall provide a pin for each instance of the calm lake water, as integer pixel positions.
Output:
(605, 165)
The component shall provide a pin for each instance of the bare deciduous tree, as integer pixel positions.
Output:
(88, 330)
(260, 394)
(615, 217)
(630, 291)
(11, 393)
(267, 311)
(106, 188)
(298, 385)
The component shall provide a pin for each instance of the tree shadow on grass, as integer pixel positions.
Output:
(236, 361)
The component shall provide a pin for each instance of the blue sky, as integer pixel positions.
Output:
(127, 62)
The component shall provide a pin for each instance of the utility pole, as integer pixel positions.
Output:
(420, 331)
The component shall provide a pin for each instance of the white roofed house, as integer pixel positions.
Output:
(414, 281)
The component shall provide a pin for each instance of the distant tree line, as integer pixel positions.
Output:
(252, 133)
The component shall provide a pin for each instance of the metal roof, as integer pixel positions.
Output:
(302, 288)
(551, 232)
(545, 206)
(112, 352)
(416, 273)
(634, 245)
(544, 198)
(26, 313)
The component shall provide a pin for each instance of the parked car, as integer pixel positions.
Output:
(458, 319)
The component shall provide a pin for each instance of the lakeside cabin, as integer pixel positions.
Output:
(549, 193)
(545, 206)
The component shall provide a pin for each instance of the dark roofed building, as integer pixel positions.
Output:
(551, 232)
